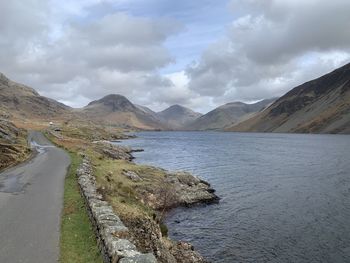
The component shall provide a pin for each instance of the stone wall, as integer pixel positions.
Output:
(107, 225)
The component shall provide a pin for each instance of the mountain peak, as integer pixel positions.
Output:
(177, 107)
(176, 110)
(177, 116)
(115, 102)
(109, 98)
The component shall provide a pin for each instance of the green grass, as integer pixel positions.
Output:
(78, 242)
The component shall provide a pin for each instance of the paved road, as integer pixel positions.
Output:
(31, 199)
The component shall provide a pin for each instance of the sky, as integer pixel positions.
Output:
(200, 53)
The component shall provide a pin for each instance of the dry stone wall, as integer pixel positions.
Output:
(107, 224)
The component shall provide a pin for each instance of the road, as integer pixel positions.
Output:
(31, 201)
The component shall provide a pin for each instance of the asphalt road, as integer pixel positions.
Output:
(31, 200)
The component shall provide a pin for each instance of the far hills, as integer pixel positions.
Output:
(228, 114)
(115, 110)
(178, 117)
(318, 106)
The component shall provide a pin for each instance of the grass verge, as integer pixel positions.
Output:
(78, 242)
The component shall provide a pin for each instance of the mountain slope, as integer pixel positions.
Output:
(227, 114)
(24, 101)
(13, 143)
(119, 111)
(318, 106)
(177, 116)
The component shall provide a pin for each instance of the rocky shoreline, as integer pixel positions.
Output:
(160, 191)
(139, 195)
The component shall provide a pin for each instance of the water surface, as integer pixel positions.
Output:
(285, 197)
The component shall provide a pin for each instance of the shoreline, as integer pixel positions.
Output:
(190, 203)
(140, 195)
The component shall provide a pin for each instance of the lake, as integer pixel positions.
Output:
(284, 197)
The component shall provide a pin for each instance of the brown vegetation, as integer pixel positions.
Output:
(13, 144)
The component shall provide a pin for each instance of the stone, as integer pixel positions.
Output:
(144, 258)
(132, 176)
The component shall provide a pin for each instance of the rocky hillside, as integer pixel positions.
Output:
(227, 115)
(13, 144)
(24, 101)
(118, 111)
(177, 117)
(318, 106)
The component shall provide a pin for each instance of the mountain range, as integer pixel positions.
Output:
(318, 106)
(228, 114)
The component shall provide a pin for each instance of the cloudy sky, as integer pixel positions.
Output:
(198, 53)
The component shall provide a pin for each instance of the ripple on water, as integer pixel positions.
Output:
(285, 198)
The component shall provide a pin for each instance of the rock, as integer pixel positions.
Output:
(113, 151)
(145, 258)
(179, 188)
(184, 252)
(186, 178)
(137, 150)
(132, 176)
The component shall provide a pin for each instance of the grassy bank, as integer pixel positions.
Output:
(139, 195)
(78, 242)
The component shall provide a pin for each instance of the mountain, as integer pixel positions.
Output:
(119, 111)
(318, 106)
(177, 116)
(227, 114)
(24, 101)
(146, 109)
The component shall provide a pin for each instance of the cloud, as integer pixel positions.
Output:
(271, 47)
(78, 51)
(89, 55)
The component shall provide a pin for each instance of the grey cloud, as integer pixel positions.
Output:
(21, 23)
(22, 20)
(128, 58)
(108, 53)
(270, 46)
(120, 28)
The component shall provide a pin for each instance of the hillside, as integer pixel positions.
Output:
(177, 117)
(227, 114)
(13, 143)
(118, 111)
(318, 106)
(24, 101)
